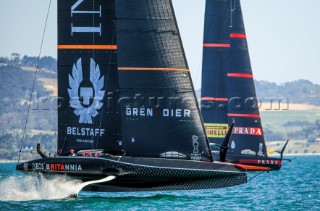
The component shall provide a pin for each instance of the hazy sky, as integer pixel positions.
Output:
(283, 35)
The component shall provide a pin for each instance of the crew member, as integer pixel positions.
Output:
(72, 152)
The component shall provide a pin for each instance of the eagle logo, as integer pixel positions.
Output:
(86, 98)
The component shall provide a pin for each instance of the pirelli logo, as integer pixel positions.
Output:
(216, 130)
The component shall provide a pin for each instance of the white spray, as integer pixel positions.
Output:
(25, 188)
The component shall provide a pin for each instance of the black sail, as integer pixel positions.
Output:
(160, 115)
(247, 135)
(216, 61)
(228, 90)
(88, 116)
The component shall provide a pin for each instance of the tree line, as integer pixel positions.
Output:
(46, 62)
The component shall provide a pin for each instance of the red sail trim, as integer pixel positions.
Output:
(240, 75)
(214, 99)
(245, 115)
(252, 168)
(241, 36)
(216, 45)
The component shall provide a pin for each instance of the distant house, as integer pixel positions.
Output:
(15, 56)
(15, 59)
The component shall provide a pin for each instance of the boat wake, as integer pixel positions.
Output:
(107, 179)
(28, 188)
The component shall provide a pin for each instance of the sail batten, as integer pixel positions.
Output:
(244, 115)
(217, 45)
(241, 36)
(214, 99)
(240, 75)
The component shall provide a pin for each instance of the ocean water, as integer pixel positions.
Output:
(295, 187)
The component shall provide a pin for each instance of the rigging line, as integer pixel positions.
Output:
(66, 137)
(93, 40)
(34, 81)
(198, 73)
(231, 13)
(257, 175)
(93, 52)
(233, 8)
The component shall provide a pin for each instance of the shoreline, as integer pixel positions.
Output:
(301, 154)
(12, 161)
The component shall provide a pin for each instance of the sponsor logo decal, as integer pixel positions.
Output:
(255, 131)
(85, 131)
(56, 167)
(86, 99)
(172, 154)
(150, 112)
(260, 161)
(195, 144)
(260, 153)
(233, 144)
(216, 130)
(84, 29)
(195, 155)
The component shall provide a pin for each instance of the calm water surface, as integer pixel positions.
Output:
(295, 187)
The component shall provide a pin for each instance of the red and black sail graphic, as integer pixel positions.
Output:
(160, 115)
(243, 105)
(227, 80)
(88, 115)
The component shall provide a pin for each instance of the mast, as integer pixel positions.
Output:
(88, 117)
(160, 116)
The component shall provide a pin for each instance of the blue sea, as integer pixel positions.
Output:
(295, 187)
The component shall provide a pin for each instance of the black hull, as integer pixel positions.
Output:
(273, 164)
(139, 174)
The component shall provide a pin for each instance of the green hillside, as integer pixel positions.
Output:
(15, 91)
(300, 91)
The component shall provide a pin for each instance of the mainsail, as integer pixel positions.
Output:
(228, 91)
(243, 105)
(88, 115)
(160, 114)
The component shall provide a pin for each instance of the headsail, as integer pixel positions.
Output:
(216, 61)
(88, 116)
(228, 90)
(160, 115)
